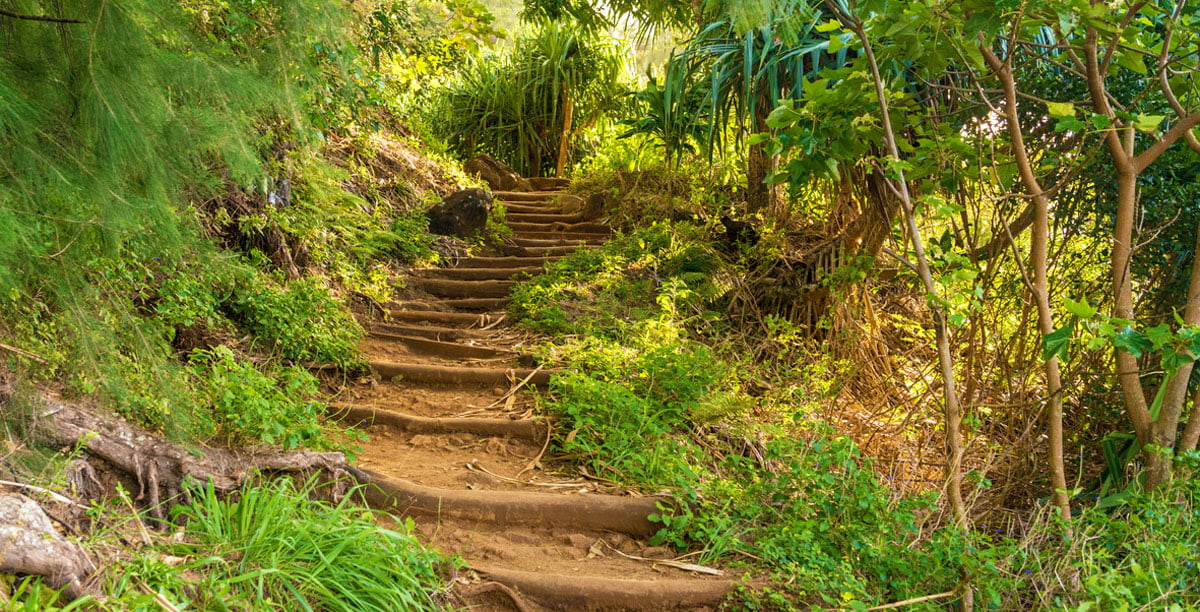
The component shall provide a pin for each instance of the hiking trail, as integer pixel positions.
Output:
(458, 444)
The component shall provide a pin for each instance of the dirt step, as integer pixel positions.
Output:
(545, 242)
(575, 592)
(533, 208)
(507, 262)
(433, 332)
(458, 375)
(467, 288)
(525, 429)
(549, 183)
(574, 237)
(524, 196)
(543, 217)
(475, 274)
(456, 304)
(556, 250)
(626, 515)
(460, 319)
(448, 350)
(575, 228)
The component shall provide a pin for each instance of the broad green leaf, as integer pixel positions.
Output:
(1132, 341)
(1057, 343)
(1100, 122)
(1081, 309)
(1147, 123)
(757, 139)
(1069, 124)
(829, 26)
(1061, 109)
(1159, 336)
(835, 44)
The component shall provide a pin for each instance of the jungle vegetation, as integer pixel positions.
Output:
(905, 303)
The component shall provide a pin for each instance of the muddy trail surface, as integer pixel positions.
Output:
(457, 443)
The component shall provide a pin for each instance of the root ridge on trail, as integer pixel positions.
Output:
(457, 443)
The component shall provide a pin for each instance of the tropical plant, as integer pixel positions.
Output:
(529, 106)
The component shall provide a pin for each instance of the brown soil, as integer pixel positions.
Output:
(457, 443)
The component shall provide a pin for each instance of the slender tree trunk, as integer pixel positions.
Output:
(953, 411)
(761, 197)
(564, 143)
(1038, 256)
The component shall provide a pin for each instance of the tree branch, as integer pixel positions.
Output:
(39, 17)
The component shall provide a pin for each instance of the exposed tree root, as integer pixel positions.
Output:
(161, 467)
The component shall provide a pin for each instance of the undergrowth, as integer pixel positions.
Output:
(658, 392)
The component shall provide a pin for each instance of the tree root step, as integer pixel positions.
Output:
(549, 183)
(358, 415)
(467, 288)
(457, 375)
(449, 350)
(548, 242)
(474, 274)
(445, 334)
(554, 250)
(507, 262)
(544, 217)
(598, 229)
(492, 303)
(524, 196)
(626, 515)
(575, 592)
(463, 319)
(531, 207)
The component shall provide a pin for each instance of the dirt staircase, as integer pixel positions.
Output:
(457, 444)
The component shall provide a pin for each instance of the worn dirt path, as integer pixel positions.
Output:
(457, 443)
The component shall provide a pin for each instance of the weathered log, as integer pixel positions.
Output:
(30, 545)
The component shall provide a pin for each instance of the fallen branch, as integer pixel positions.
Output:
(687, 567)
(58, 497)
(915, 600)
(20, 351)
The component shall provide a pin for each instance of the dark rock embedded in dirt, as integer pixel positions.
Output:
(496, 174)
(589, 209)
(464, 213)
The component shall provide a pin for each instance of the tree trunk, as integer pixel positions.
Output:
(1039, 286)
(761, 197)
(564, 143)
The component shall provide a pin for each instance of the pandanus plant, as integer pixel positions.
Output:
(530, 106)
(756, 59)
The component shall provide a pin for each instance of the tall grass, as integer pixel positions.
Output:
(272, 547)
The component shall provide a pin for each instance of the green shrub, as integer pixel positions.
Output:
(252, 406)
(1144, 555)
(301, 319)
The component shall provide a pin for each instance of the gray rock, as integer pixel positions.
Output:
(462, 214)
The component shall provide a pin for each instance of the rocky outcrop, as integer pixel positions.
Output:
(462, 214)
(496, 174)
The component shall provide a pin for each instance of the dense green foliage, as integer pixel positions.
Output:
(530, 105)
